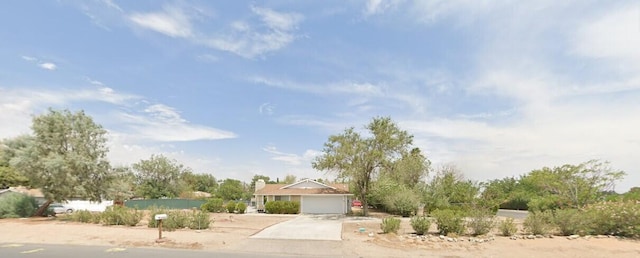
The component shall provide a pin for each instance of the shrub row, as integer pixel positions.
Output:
(605, 218)
(282, 207)
(177, 219)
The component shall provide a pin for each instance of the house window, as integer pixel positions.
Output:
(281, 198)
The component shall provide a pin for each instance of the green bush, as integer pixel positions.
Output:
(282, 207)
(82, 216)
(119, 215)
(538, 222)
(200, 220)
(241, 207)
(449, 221)
(420, 224)
(481, 221)
(508, 227)
(390, 225)
(153, 211)
(570, 222)
(213, 205)
(613, 218)
(17, 205)
(176, 219)
(231, 207)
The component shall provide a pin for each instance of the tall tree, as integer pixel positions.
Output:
(123, 184)
(359, 158)
(200, 182)
(66, 158)
(447, 188)
(231, 189)
(159, 177)
(289, 179)
(410, 169)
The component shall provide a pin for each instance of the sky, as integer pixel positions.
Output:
(239, 88)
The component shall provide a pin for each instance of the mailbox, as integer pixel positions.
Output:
(161, 216)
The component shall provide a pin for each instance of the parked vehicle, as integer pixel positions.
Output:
(356, 203)
(59, 208)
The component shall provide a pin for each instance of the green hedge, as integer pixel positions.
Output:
(17, 205)
(282, 207)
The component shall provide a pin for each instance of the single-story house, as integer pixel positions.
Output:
(35, 193)
(314, 197)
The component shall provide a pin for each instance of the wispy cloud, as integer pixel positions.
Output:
(266, 108)
(373, 7)
(292, 159)
(42, 64)
(275, 32)
(162, 123)
(171, 21)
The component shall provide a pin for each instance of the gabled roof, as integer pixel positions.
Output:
(297, 189)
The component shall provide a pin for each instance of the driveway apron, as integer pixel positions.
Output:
(305, 227)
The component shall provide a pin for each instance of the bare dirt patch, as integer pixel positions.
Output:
(407, 244)
(226, 232)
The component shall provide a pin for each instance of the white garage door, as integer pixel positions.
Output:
(323, 205)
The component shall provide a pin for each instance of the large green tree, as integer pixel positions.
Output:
(359, 159)
(449, 188)
(66, 157)
(573, 185)
(231, 189)
(200, 182)
(159, 177)
(9, 176)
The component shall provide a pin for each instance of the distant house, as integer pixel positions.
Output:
(314, 197)
(35, 193)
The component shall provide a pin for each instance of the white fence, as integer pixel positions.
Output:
(89, 205)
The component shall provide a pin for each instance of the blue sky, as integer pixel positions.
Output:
(238, 88)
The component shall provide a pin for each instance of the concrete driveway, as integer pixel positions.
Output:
(305, 227)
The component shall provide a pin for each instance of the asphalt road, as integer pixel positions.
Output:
(513, 214)
(66, 251)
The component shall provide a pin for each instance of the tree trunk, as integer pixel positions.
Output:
(40, 211)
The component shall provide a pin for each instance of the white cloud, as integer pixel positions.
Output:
(266, 108)
(48, 66)
(171, 21)
(164, 124)
(29, 58)
(614, 37)
(292, 159)
(248, 41)
(374, 7)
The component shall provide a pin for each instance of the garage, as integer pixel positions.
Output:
(323, 204)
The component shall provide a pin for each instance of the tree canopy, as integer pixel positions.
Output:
(66, 157)
(360, 159)
(159, 177)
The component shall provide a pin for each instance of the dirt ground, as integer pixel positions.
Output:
(362, 237)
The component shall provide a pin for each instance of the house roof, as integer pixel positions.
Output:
(283, 189)
(31, 192)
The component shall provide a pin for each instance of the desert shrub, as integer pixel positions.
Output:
(420, 224)
(153, 211)
(549, 202)
(508, 227)
(213, 205)
(449, 221)
(282, 207)
(613, 218)
(96, 218)
(390, 225)
(176, 219)
(17, 205)
(241, 207)
(82, 216)
(199, 220)
(570, 222)
(231, 207)
(538, 222)
(118, 215)
(481, 221)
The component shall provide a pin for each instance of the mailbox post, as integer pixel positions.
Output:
(160, 218)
